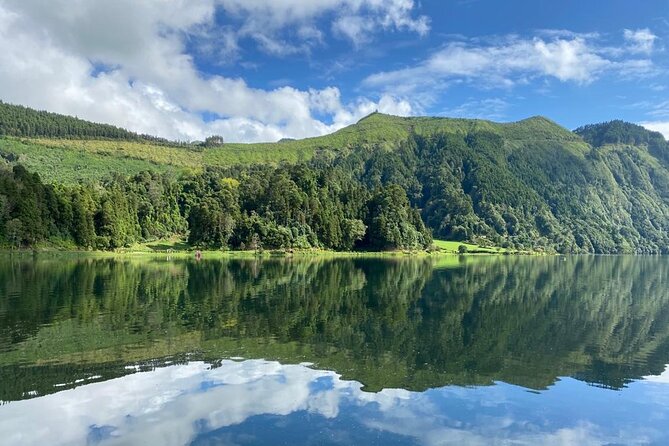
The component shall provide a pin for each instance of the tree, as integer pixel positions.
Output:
(213, 141)
(14, 232)
(392, 221)
(210, 226)
(4, 208)
(83, 211)
(353, 230)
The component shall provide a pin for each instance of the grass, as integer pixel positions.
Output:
(56, 162)
(177, 247)
(453, 248)
(71, 161)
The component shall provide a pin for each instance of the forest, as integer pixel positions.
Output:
(527, 185)
(258, 208)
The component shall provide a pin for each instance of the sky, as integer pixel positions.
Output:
(262, 70)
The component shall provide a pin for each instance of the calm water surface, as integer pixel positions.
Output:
(485, 350)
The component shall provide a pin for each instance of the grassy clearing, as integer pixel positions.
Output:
(453, 248)
(153, 153)
(177, 247)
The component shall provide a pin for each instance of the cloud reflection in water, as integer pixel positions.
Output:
(259, 402)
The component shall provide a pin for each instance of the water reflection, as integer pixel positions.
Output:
(265, 402)
(404, 323)
(401, 351)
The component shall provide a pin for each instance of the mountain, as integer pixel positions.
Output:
(529, 184)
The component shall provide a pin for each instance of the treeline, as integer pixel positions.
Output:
(25, 122)
(258, 208)
(621, 132)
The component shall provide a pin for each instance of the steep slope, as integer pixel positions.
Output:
(532, 184)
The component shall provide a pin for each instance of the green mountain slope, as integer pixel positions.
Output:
(530, 184)
(63, 149)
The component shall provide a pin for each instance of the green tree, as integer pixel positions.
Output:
(353, 230)
(83, 212)
(14, 232)
(210, 226)
(391, 222)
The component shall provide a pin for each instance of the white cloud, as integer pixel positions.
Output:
(148, 81)
(661, 378)
(356, 20)
(640, 40)
(657, 126)
(511, 60)
(658, 113)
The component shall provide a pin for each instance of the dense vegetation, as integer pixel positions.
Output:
(249, 208)
(376, 185)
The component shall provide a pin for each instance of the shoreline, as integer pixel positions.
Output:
(267, 254)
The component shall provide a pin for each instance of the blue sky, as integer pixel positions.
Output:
(261, 70)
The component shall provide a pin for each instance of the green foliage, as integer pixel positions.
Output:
(213, 141)
(353, 230)
(285, 207)
(525, 185)
(618, 132)
(392, 222)
(211, 226)
(14, 232)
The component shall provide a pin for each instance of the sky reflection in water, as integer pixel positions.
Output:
(265, 402)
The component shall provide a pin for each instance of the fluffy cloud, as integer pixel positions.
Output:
(126, 63)
(564, 56)
(640, 40)
(658, 115)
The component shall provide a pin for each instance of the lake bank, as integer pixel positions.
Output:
(178, 248)
(267, 254)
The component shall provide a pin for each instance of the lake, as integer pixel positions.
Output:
(420, 351)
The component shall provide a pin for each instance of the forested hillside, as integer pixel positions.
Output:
(384, 183)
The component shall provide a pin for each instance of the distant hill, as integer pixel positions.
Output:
(603, 188)
(20, 121)
(624, 133)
